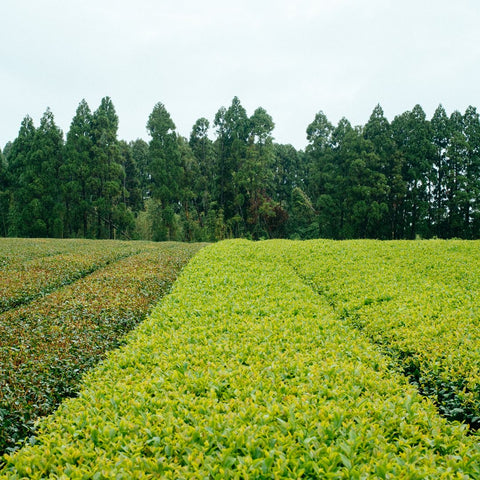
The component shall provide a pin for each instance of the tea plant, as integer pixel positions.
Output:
(244, 371)
(46, 345)
(420, 301)
(30, 268)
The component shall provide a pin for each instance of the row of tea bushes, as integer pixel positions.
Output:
(419, 300)
(30, 268)
(245, 372)
(45, 346)
(14, 251)
(19, 250)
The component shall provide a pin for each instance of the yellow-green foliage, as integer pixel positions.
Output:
(46, 345)
(420, 300)
(245, 372)
(30, 268)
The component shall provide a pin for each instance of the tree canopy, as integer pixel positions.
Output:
(408, 178)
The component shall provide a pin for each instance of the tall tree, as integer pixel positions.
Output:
(255, 176)
(413, 136)
(441, 137)
(232, 128)
(166, 170)
(164, 156)
(471, 203)
(19, 159)
(107, 175)
(456, 181)
(141, 158)
(132, 192)
(48, 156)
(323, 180)
(289, 173)
(203, 151)
(367, 187)
(34, 161)
(360, 187)
(378, 131)
(189, 212)
(79, 189)
(4, 196)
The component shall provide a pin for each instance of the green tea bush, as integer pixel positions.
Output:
(420, 301)
(30, 268)
(46, 345)
(245, 372)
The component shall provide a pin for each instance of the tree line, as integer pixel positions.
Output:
(412, 177)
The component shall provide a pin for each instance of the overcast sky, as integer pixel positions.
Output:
(294, 58)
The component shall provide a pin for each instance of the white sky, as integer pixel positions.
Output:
(293, 58)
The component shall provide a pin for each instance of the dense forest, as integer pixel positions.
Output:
(408, 178)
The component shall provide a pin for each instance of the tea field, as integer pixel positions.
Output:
(279, 359)
(418, 301)
(64, 304)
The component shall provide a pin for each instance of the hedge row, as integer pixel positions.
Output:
(30, 268)
(46, 346)
(245, 372)
(419, 300)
